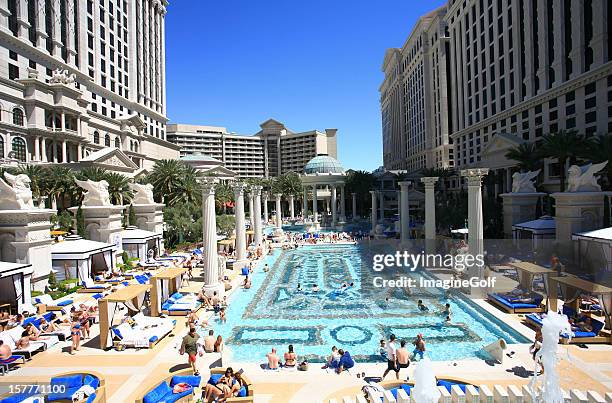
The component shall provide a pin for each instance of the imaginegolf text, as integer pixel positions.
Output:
(409, 282)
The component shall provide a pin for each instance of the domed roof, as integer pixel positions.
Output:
(323, 164)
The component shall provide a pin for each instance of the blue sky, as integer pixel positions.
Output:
(310, 64)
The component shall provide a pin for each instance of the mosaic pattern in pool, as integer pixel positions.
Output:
(273, 313)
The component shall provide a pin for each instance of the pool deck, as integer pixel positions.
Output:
(126, 372)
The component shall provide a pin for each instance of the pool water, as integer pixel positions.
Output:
(272, 313)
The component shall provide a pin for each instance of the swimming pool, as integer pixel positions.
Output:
(274, 314)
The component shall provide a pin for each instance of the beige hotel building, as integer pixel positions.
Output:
(272, 151)
(514, 70)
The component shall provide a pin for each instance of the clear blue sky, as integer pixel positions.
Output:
(311, 64)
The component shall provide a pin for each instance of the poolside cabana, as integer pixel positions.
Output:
(163, 285)
(132, 297)
(521, 303)
(537, 231)
(594, 249)
(82, 259)
(572, 288)
(226, 245)
(15, 285)
(137, 242)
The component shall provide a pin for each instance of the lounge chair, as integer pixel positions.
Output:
(66, 386)
(6, 363)
(145, 332)
(181, 305)
(163, 391)
(46, 303)
(12, 336)
(512, 304)
(88, 286)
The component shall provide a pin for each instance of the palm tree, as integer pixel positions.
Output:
(599, 149)
(60, 184)
(166, 177)
(527, 155)
(119, 188)
(288, 184)
(189, 187)
(563, 146)
(223, 196)
(360, 183)
(95, 174)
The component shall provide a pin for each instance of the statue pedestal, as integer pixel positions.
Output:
(102, 223)
(150, 217)
(518, 208)
(25, 238)
(578, 212)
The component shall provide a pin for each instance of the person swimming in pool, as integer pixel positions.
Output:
(422, 307)
(315, 288)
(299, 288)
(447, 312)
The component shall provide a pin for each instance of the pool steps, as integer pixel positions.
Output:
(499, 394)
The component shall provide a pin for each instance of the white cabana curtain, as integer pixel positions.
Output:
(160, 298)
(164, 289)
(108, 259)
(139, 301)
(18, 284)
(83, 269)
(177, 282)
(112, 306)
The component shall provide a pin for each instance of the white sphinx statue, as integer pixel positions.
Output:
(524, 182)
(96, 193)
(16, 194)
(583, 179)
(143, 194)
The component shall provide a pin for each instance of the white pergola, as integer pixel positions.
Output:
(323, 176)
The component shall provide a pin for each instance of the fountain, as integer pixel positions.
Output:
(425, 387)
(553, 325)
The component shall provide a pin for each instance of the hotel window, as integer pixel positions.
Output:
(17, 117)
(107, 141)
(19, 149)
(117, 142)
(96, 138)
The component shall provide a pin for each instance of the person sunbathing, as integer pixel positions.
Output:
(24, 341)
(585, 325)
(33, 333)
(192, 319)
(5, 351)
(48, 327)
(273, 359)
(290, 357)
(222, 390)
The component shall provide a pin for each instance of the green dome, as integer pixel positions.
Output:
(323, 164)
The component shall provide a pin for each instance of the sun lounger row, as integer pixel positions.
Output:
(578, 336)
(12, 336)
(181, 304)
(50, 304)
(88, 286)
(144, 332)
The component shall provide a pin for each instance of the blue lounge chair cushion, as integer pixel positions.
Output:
(394, 392)
(176, 295)
(535, 318)
(64, 303)
(242, 392)
(157, 394)
(407, 388)
(214, 379)
(578, 334)
(515, 305)
(117, 332)
(245, 271)
(153, 339)
(166, 305)
(69, 381)
(11, 359)
(97, 296)
(91, 398)
(173, 397)
(448, 385)
(48, 316)
(192, 380)
(92, 381)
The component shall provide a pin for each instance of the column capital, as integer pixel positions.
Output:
(404, 185)
(256, 190)
(278, 196)
(239, 189)
(474, 176)
(291, 197)
(373, 192)
(429, 180)
(208, 187)
(264, 196)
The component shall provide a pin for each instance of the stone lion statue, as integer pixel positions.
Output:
(583, 179)
(15, 193)
(143, 194)
(96, 193)
(524, 182)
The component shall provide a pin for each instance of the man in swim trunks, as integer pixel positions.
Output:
(391, 357)
(403, 356)
(273, 359)
(209, 342)
(419, 347)
(190, 346)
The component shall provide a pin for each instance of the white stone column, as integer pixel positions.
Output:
(405, 211)
(22, 20)
(70, 30)
(279, 211)
(41, 31)
(257, 215)
(374, 208)
(304, 203)
(334, 208)
(43, 143)
(342, 204)
(430, 207)
(64, 152)
(315, 215)
(599, 43)
(264, 198)
(577, 54)
(56, 29)
(209, 232)
(240, 224)
(37, 148)
(292, 207)
(475, 219)
(251, 210)
(55, 151)
(381, 198)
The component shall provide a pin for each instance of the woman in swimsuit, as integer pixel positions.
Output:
(290, 357)
(75, 332)
(222, 390)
